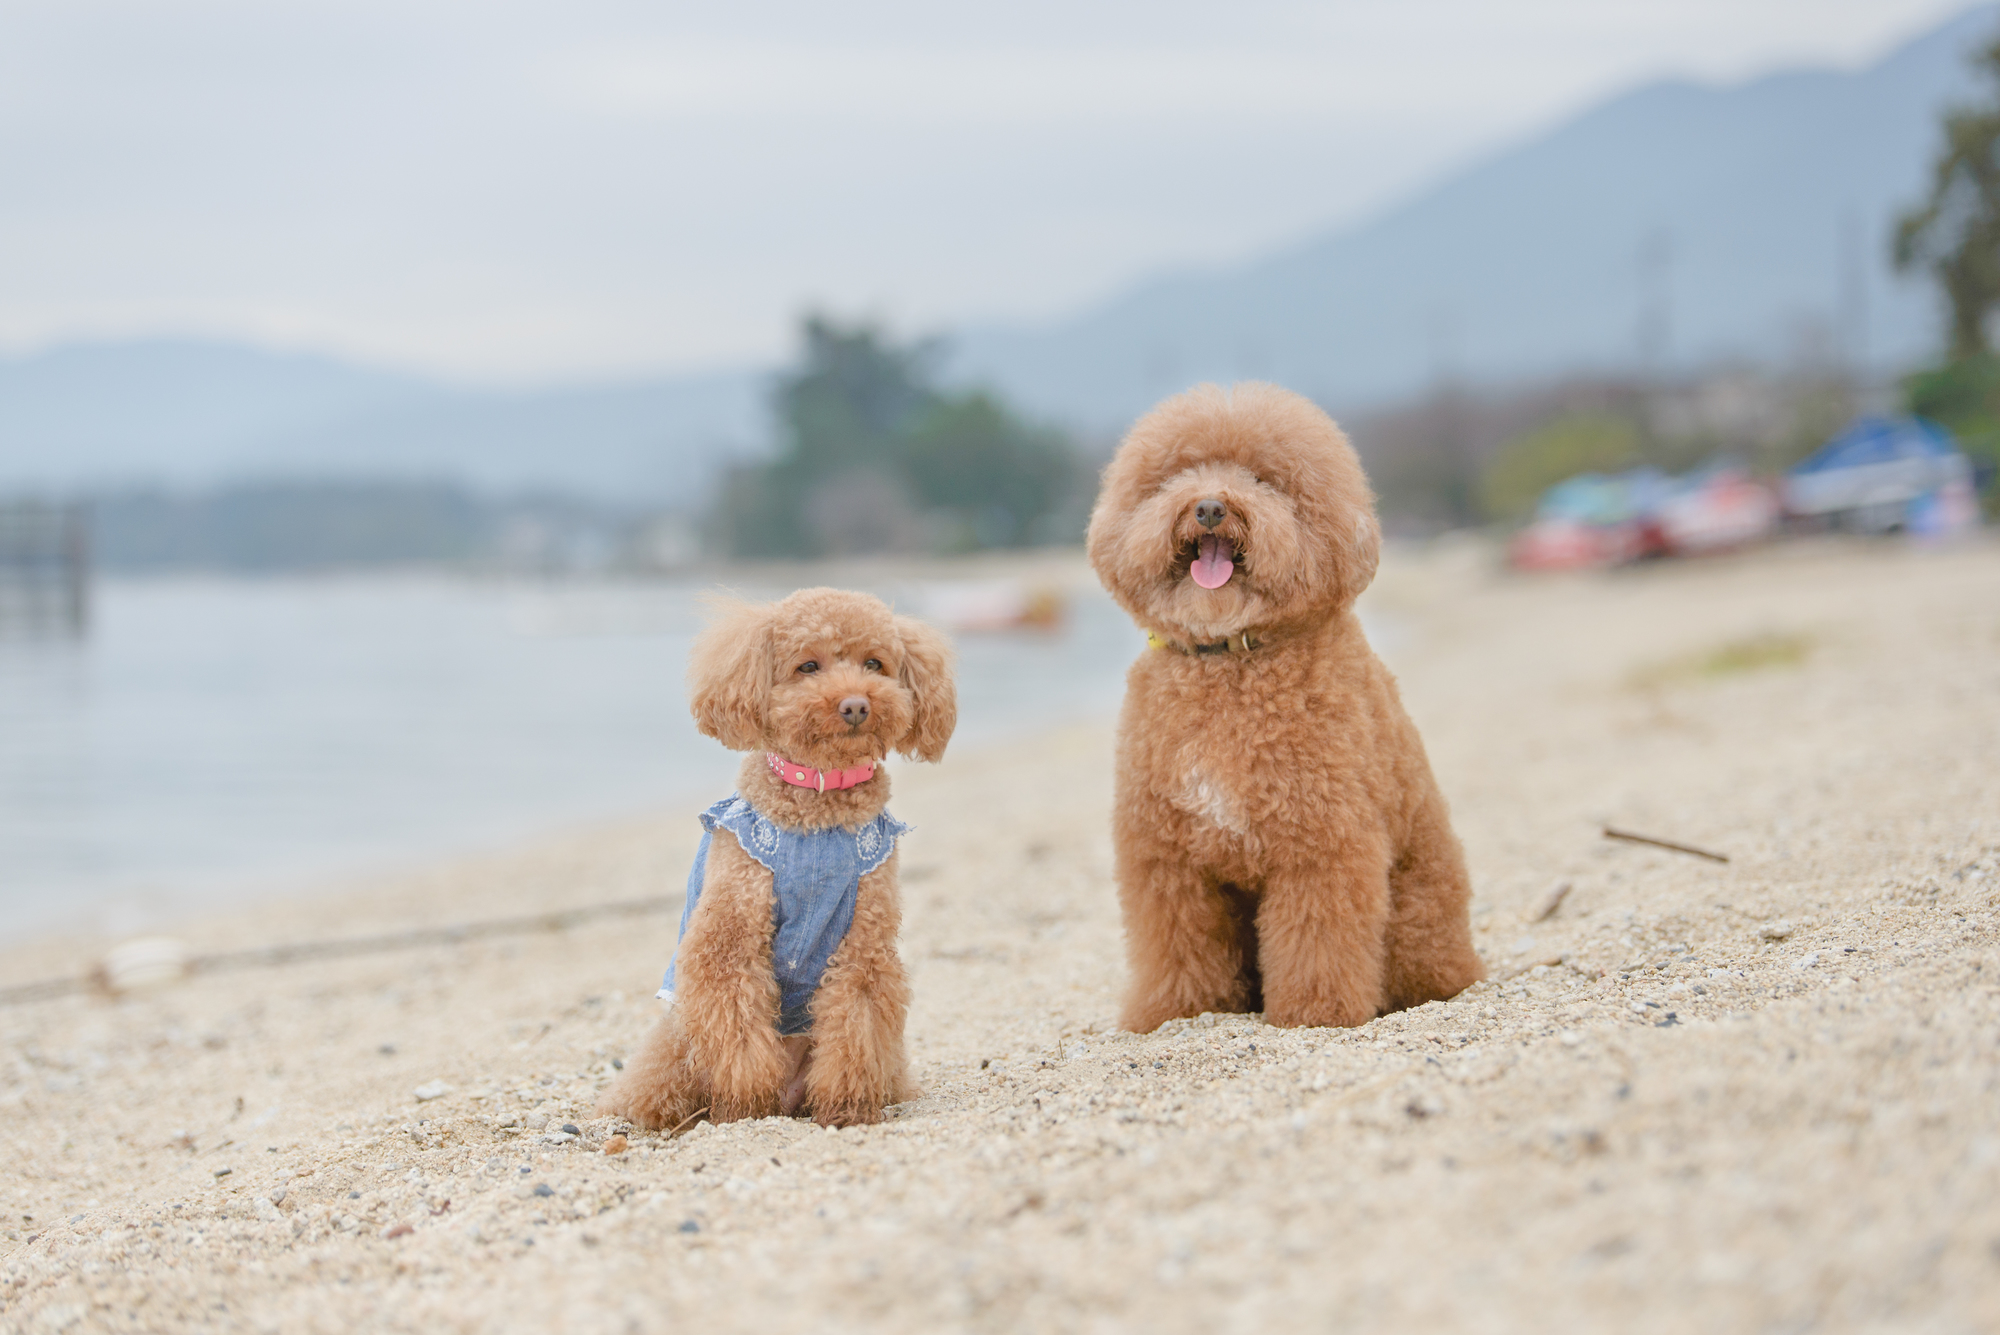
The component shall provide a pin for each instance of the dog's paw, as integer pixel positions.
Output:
(848, 1114)
(1323, 1013)
(743, 1109)
(651, 1105)
(1145, 1017)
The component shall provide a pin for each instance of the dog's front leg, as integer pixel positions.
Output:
(1430, 955)
(1183, 940)
(726, 996)
(858, 1063)
(1321, 939)
(660, 1088)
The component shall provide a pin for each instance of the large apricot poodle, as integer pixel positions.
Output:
(786, 992)
(1281, 844)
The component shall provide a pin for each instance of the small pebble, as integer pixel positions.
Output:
(1775, 931)
(398, 1231)
(432, 1089)
(224, 1172)
(616, 1145)
(570, 1127)
(690, 1226)
(277, 1195)
(544, 1189)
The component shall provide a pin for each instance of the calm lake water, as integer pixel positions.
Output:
(217, 737)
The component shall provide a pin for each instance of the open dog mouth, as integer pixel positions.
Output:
(1211, 560)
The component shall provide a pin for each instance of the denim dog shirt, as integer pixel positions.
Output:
(815, 877)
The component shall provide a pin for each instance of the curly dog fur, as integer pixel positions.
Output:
(718, 1048)
(1281, 843)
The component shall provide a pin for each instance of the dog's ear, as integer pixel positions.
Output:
(1359, 556)
(729, 674)
(926, 670)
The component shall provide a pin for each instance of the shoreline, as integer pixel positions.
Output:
(551, 873)
(411, 720)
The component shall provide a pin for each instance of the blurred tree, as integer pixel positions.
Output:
(996, 477)
(1964, 395)
(1956, 233)
(1529, 464)
(853, 396)
(876, 458)
(842, 410)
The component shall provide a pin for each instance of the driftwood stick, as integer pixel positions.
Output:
(1691, 850)
(1552, 901)
(454, 934)
(306, 951)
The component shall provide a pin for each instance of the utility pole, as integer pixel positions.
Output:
(1655, 264)
(1854, 309)
(1447, 418)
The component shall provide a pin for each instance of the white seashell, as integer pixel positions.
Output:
(147, 962)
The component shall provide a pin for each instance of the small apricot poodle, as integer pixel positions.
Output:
(1281, 844)
(787, 995)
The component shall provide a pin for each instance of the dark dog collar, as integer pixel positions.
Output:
(1236, 644)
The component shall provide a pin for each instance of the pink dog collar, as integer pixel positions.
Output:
(805, 776)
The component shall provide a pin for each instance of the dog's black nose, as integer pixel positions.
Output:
(854, 710)
(1209, 513)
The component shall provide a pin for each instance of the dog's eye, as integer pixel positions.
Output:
(873, 665)
(809, 667)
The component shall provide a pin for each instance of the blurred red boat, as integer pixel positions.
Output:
(1597, 520)
(1715, 511)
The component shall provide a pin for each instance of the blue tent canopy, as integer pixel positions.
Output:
(1875, 469)
(1879, 440)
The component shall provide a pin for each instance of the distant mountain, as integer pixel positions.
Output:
(1758, 205)
(1751, 208)
(185, 412)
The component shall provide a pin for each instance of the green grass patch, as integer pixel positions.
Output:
(1753, 653)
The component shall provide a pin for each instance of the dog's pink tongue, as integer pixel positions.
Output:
(1214, 562)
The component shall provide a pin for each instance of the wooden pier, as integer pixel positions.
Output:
(44, 569)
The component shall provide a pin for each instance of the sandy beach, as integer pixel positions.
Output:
(1693, 1095)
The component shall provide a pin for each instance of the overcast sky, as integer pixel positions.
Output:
(523, 192)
